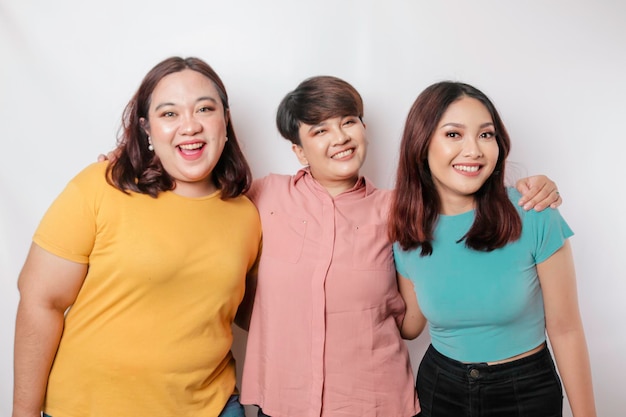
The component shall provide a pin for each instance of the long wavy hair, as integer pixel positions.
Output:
(416, 204)
(140, 170)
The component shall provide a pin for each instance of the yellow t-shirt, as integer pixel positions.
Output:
(150, 330)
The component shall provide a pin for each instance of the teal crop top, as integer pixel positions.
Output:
(484, 306)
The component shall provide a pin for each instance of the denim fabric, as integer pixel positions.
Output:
(528, 387)
(232, 408)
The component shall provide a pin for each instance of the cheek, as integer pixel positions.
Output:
(439, 152)
(162, 132)
(492, 152)
(310, 149)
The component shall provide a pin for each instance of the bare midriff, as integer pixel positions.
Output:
(520, 356)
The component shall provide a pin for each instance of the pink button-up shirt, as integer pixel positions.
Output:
(324, 338)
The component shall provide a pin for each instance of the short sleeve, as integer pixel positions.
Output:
(545, 231)
(68, 227)
(398, 256)
(550, 231)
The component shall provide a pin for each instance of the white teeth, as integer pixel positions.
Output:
(473, 168)
(342, 154)
(191, 146)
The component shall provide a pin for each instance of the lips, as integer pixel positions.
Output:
(191, 150)
(343, 154)
(190, 147)
(467, 168)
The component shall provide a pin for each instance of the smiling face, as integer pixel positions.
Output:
(335, 150)
(187, 126)
(462, 154)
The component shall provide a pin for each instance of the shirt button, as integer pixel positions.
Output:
(474, 373)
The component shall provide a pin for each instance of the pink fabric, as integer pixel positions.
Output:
(324, 338)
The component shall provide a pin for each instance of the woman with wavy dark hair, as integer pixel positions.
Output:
(489, 277)
(137, 269)
(141, 171)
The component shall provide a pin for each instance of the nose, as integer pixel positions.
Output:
(471, 148)
(189, 125)
(341, 137)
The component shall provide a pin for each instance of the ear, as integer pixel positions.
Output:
(145, 125)
(297, 149)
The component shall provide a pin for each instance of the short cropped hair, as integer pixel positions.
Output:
(315, 100)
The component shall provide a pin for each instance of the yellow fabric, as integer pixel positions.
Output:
(149, 333)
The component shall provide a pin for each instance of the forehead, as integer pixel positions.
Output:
(183, 86)
(466, 108)
(328, 120)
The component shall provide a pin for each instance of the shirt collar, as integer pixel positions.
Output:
(362, 183)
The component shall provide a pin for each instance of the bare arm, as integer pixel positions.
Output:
(48, 285)
(538, 192)
(565, 329)
(414, 321)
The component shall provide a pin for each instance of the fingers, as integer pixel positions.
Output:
(110, 156)
(558, 201)
(523, 187)
(545, 197)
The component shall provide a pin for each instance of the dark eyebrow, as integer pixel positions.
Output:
(459, 125)
(163, 105)
(208, 98)
(317, 126)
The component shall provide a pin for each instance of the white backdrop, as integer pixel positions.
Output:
(554, 69)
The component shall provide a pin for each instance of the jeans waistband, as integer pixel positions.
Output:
(482, 370)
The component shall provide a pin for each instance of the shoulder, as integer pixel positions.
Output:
(532, 215)
(271, 183)
(379, 196)
(240, 207)
(546, 229)
(243, 202)
(92, 173)
(90, 181)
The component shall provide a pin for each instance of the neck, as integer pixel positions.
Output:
(335, 188)
(454, 206)
(194, 190)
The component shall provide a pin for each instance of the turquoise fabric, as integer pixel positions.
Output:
(484, 306)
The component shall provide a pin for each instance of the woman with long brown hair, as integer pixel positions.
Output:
(488, 277)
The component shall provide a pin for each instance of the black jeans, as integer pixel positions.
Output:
(528, 387)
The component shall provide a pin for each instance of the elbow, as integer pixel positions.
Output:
(410, 331)
(409, 335)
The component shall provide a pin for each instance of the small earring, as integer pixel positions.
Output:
(226, 138)
(150, 147)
